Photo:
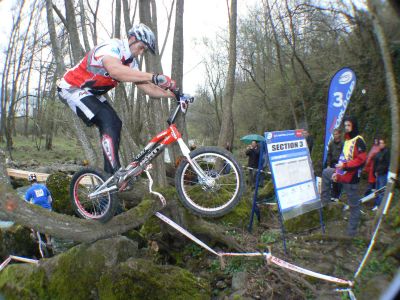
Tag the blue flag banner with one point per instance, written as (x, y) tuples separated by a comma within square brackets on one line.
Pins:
[(292, 173), (340, 90)]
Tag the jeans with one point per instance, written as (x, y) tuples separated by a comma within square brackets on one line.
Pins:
[(381, 181), (252, 177), (353, 200)]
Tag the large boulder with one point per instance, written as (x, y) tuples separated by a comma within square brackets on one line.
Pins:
[(108, 269), (58, 185), (16, 240)]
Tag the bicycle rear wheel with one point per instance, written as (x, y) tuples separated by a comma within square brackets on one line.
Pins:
[(218, 191), (102, 207)]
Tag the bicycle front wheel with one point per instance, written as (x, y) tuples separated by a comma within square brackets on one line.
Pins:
[(101, 207), (216, 189)]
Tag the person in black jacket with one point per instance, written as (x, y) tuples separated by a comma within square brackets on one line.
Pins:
[(309, 140), (381, 169), (334, 150), (253, 152)]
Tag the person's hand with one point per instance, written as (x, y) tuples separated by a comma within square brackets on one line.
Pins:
[(164, 82), (334, 177), (339, 166)]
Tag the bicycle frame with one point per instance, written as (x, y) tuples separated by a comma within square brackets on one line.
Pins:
[(156, 146)]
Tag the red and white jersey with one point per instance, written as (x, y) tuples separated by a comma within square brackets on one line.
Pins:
[(90, 73)]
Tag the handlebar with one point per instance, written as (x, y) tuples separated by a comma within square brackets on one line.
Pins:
[(182, 101), (181, 97)]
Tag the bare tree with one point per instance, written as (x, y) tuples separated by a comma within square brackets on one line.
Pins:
[(77, 52), (227, 126), (155, 107), (177, 70)]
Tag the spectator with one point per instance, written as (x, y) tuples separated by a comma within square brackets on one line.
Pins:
[(309, 140), (369, 166), (381, 169), (38, 194), (334, 150), (347, 172), (227, 167), (253, 152)]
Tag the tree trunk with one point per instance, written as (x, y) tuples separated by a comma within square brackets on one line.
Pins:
[(393, 100), (77, 53), (12, 208), (286, 89), (83, 26), (227, 128), (177, 72), (72, 27), (153, 63), (117, 29)]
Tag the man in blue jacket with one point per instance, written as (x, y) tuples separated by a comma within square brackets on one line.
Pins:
[(38, 193)]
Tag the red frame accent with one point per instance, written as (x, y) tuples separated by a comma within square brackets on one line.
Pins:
[(167, 136)]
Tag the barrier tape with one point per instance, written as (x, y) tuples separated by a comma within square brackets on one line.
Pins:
[(270, 258), (5, 263), (295, 268), (17, 258), (185, 232), (279, 262), (349, 291)]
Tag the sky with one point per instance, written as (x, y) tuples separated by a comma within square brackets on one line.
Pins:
[(201, 19)]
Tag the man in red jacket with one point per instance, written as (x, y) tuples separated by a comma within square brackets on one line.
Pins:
[(347, 172)]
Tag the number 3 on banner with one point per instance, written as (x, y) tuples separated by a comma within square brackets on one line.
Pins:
[(338, 99)]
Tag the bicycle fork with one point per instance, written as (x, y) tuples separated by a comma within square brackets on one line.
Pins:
[(208, 181)]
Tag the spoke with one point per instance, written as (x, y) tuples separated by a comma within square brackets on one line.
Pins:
[(225, 165)]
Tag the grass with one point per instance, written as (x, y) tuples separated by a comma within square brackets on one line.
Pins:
[(64, 149)]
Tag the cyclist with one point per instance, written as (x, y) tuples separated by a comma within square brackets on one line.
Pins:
[(82, 87), (38, 194)]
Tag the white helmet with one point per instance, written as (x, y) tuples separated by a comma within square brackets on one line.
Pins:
[(32, 177), (145, 35)]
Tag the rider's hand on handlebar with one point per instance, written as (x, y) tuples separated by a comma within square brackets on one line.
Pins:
[(164, 82)]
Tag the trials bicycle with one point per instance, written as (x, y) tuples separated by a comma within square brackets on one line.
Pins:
[(209, 180)]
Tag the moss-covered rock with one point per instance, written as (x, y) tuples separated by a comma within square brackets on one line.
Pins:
[(16, 240), (267, 190), (23, 281), (141, 279), (312, 219), (58, 185), (19, 182), (106, 269), (240, 215)]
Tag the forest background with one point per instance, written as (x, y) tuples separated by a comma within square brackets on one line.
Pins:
[(287, 52), (268, 68)]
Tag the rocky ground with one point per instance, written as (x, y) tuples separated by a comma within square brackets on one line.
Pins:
[(156, 262)]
